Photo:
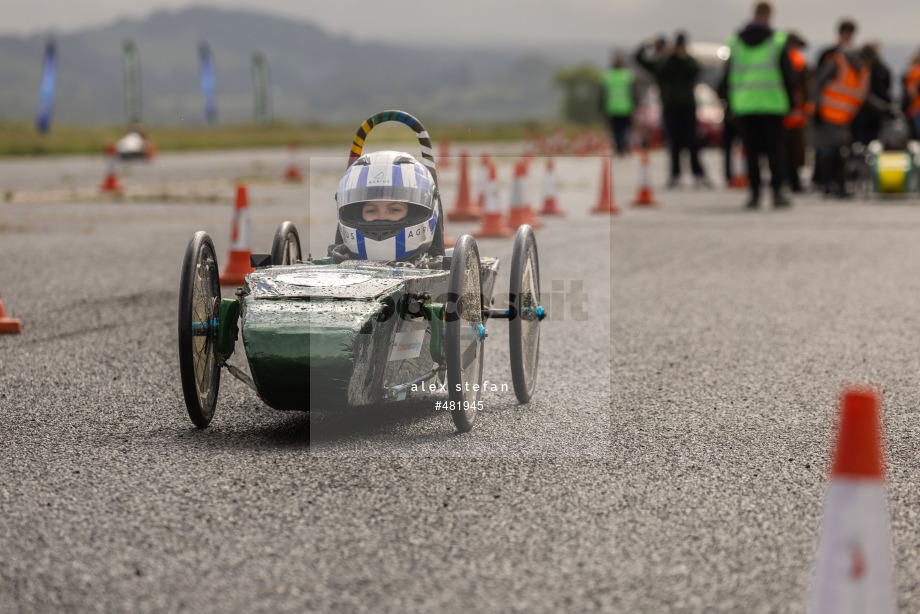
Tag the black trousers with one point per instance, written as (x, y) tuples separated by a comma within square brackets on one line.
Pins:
[(619, 128), (762, 135), (729, 134), (680, 123)]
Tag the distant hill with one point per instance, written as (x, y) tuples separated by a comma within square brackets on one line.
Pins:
[(316, 76)]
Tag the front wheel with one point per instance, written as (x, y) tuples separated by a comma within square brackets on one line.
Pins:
[(199, 311), (466, 334), (526, 314), (286, 245)]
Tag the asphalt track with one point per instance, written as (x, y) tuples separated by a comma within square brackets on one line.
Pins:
[(673, 458)]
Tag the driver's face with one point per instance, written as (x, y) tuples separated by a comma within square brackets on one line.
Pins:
[(384, 210)]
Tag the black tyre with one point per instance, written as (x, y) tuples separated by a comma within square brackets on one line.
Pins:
[(465, 337), (286, 245), (199, 309), (524, 326)]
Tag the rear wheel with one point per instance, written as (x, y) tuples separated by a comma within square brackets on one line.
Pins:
[(286, 245), (465, 337), (199, 310), (524, 326)]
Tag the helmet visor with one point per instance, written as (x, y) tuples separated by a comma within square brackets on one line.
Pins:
[(395, 193)]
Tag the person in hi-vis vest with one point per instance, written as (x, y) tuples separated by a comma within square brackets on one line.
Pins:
[(911, 82), (760, 82), (841, 89), (618, 89)]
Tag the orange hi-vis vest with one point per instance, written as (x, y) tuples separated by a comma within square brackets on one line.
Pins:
[(912, 89), (843, 95), (798, 114)]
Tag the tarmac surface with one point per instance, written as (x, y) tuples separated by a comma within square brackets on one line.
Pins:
[(673, 458)]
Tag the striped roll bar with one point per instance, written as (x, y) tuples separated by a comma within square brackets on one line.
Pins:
[(357, 147), (424, 141)]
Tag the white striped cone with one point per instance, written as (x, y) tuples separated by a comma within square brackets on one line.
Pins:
[(110, 182), (645, 197), (521, 212), (853, 567), (492, 224), (238, 263), (482, 182), (739, 177), (292, 172), (550, 193)]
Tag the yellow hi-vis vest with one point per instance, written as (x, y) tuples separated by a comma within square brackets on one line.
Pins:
[(755, 83), (618, 89)]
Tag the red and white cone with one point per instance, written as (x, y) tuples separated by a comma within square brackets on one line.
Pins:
[(853, 568), (605, 202), (292, 172), (739, 168), (644, 196), (8, 325), (521, 212), (493, 222), (238, 263), (550, 200), (110, 183), (444, 154), (463, 210), (482, 182)]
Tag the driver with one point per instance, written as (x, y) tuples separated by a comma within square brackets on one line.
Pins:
[(387, 209)]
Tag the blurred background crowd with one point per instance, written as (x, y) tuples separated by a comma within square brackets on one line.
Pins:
[(767, 90)]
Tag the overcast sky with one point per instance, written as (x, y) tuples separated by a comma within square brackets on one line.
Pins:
[(503, 22)]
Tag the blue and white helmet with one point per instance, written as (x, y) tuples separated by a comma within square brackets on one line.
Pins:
[(387, 176)]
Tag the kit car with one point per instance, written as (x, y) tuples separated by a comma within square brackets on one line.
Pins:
[(321, 335)]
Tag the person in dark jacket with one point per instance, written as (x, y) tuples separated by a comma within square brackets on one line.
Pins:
[(760, 97), (796, 121), (868, 122), (841, 89), (676, 73), (846, 31)]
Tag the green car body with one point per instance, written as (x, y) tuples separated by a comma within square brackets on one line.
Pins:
[(322, 335)]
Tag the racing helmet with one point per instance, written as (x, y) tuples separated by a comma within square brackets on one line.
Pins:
[(387, 176)]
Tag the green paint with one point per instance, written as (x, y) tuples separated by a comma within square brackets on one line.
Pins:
[(228, 327)]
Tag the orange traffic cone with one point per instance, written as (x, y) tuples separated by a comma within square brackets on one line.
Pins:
[(110, 184), (238, 264), (493, 224), (482, 182), (292, 173), (644, 197), (463, 211), (521, 212), (8, 325), (605, 202), (550, 204), (739, 168), (853, 572), (444, 155)]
